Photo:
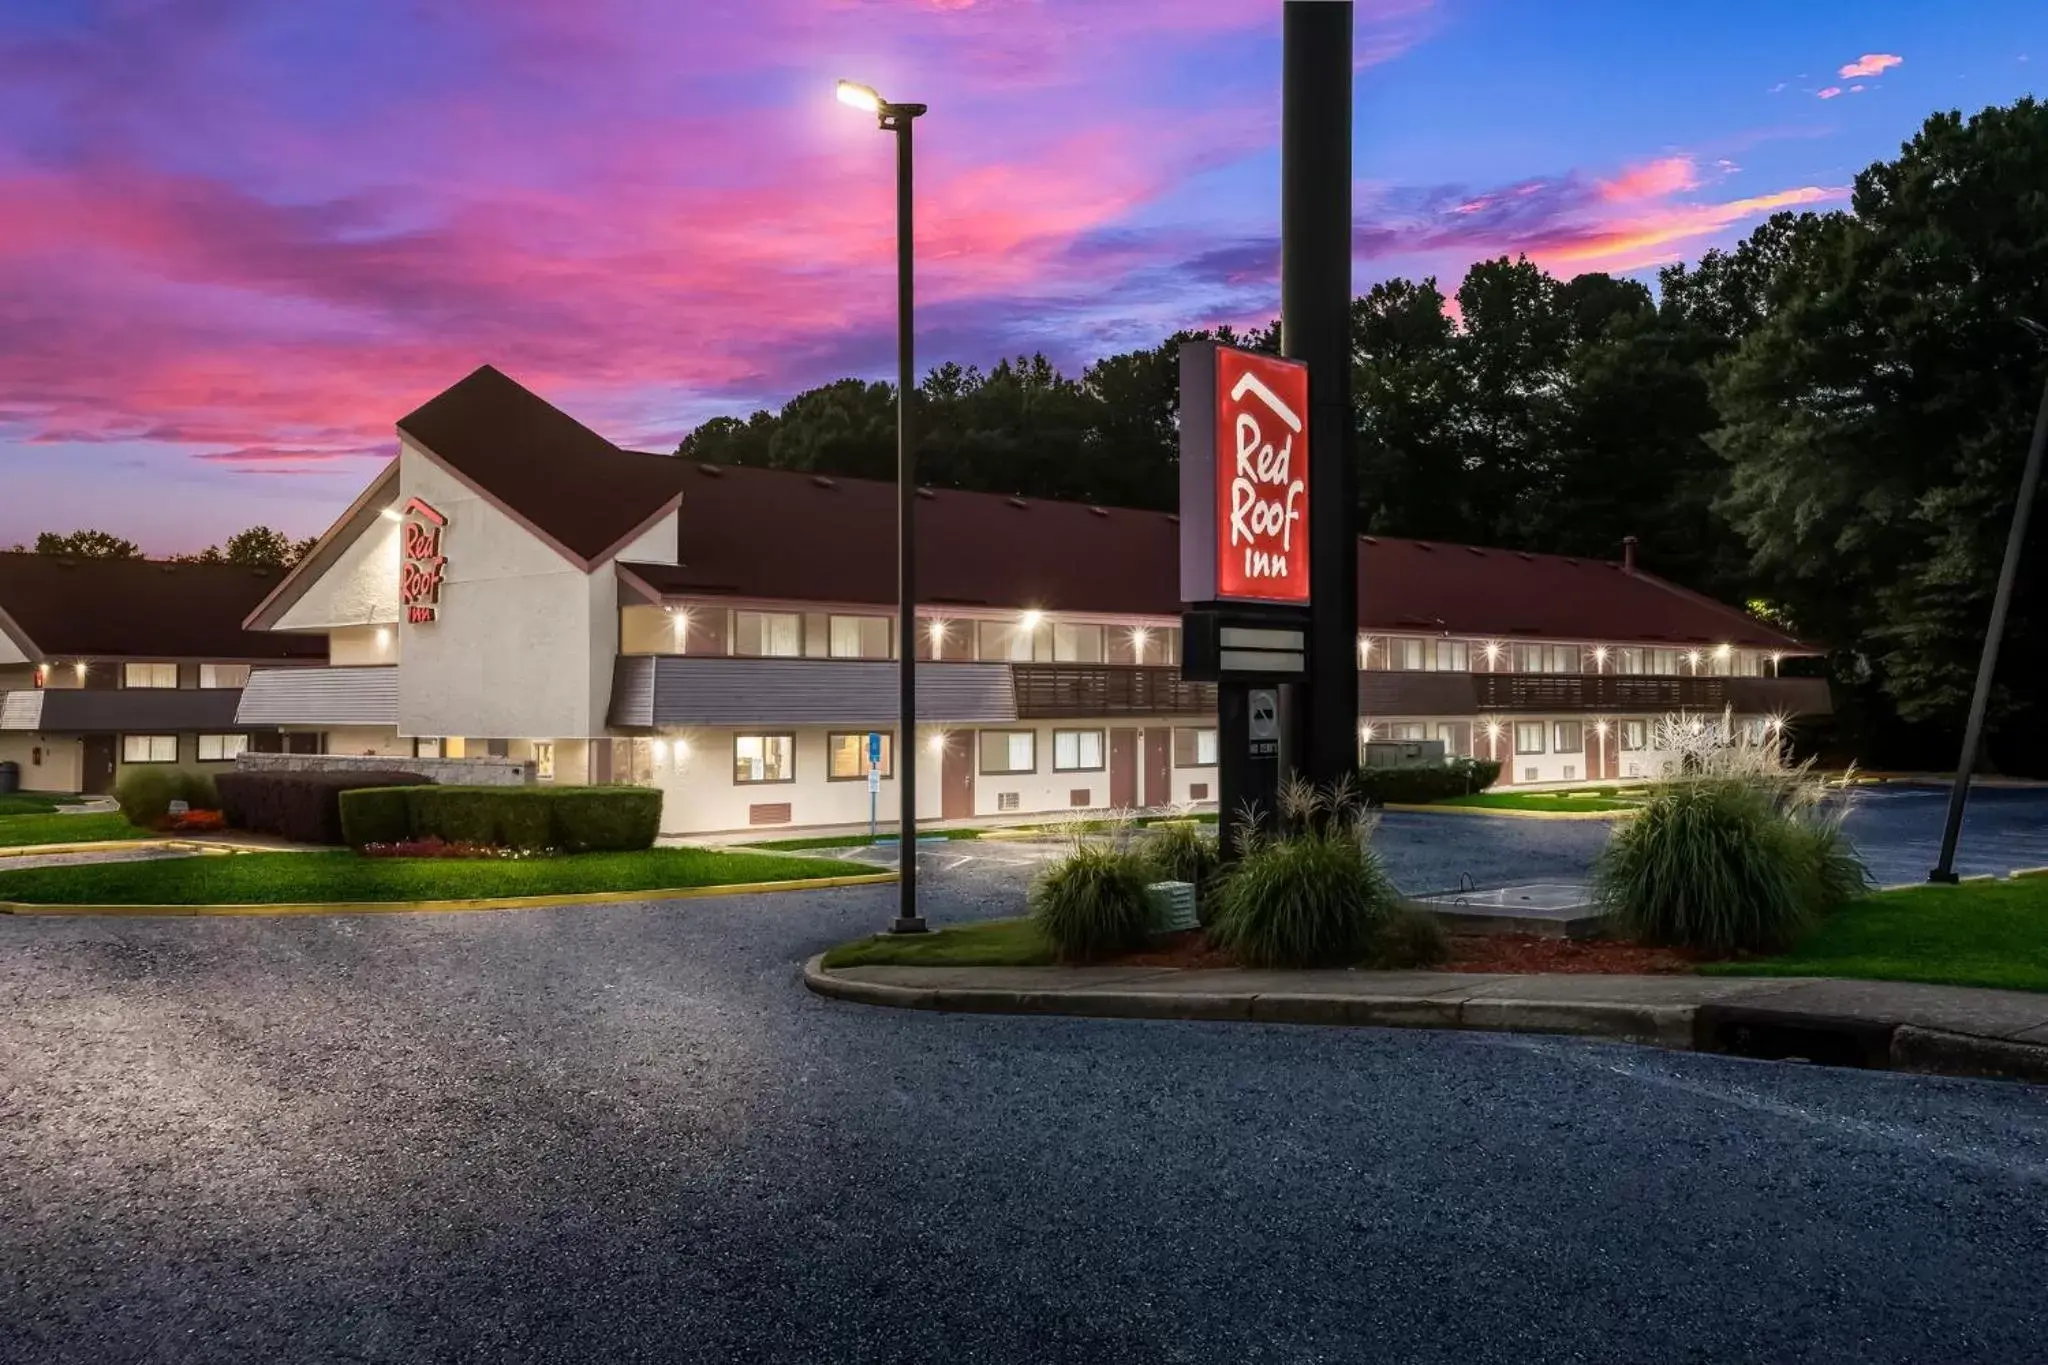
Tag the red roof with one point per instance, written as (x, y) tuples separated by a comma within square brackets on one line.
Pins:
[(777, 534), (781, 534)]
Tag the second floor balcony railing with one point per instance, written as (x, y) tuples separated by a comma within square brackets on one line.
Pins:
[(1427, 694), (1050, 691)]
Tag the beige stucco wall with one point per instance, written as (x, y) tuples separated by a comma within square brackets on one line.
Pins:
[(524, 642), (61, 759), (358, 645), (359, 588), (700, 795), (10, 652)]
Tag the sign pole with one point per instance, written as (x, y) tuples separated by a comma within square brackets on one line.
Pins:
[(1315, 327)]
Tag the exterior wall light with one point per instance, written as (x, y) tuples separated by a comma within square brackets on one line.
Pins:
[(392, 514), (1140, 637), (79, 668), (1031, 620), (937, 742), (1600, 656)]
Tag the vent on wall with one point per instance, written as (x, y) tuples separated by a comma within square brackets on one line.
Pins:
[(1077, 796), (1006, 801), (768, 813), (1529, 775), (1198, 791)]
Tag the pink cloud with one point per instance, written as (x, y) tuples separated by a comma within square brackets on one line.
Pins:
[(1652, 180), (1870, 64), (1828, 92)]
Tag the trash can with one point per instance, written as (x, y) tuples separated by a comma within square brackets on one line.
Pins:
[(10, 776)]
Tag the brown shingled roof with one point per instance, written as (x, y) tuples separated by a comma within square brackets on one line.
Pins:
[(761, 533), (142, 608), (558, 476)]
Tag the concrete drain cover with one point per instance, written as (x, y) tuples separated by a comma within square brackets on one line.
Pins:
[(1552, 909)]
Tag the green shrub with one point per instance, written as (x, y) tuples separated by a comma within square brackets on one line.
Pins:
[(145, 794), (376, 815), (1182, 853), (1091, 904), (606, 819), (1425, 782), (304, 807), (1314, 896), (572, 819), (1411, 937), (1727, 863), (197, 790)]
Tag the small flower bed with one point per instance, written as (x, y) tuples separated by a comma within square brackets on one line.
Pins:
[(435, 847), (195, 822)]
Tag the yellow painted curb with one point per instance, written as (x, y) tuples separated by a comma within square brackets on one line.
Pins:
[(1514, 814), (89, 846), (2028, 872), (435, 907)]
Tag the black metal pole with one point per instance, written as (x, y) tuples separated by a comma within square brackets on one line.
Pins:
[(1315, 326), (908, 921), (1987, 663)]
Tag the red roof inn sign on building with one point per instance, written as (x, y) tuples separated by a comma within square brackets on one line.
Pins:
[(1244, 477), (421, 563)]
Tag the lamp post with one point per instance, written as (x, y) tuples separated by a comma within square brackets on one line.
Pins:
[(1944, 870), (897, 119)]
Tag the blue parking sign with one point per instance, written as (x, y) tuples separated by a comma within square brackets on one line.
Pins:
[(874, 748)]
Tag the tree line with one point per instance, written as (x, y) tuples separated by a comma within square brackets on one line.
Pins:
[(259, 547), (1826, 422)]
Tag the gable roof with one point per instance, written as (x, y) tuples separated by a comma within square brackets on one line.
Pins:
[(140, 608), (577, 490), (760, 533)]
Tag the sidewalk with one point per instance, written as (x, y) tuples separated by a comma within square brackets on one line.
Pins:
[(1939, 1030)]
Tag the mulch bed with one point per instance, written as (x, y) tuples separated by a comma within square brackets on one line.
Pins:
[(1511, 954)]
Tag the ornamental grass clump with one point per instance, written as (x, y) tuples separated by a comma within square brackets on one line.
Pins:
[(1739, 852), (1091, 904), (1314, 895), (1182, 852)]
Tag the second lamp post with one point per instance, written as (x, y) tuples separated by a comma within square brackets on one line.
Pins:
[(897, 119)]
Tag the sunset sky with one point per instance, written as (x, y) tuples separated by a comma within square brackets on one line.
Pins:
[(239, 238)]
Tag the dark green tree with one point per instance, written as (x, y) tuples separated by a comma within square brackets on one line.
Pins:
[(86, 544)]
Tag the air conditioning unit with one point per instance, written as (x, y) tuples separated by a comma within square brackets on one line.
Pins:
[(1008, 801), (1571, 772), (1531, 775)]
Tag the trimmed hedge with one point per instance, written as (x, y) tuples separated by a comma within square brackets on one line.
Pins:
[(145, 794), (1426, 782), (303, 807), (573, 819)]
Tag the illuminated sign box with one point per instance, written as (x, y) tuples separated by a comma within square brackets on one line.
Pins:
[(1244, 491)]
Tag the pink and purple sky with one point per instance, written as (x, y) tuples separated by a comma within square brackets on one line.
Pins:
[(239, 238)]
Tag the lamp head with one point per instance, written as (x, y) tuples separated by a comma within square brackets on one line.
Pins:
[(859, 96)]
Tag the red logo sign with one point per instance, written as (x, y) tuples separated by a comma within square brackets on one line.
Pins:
[(1261, 456), (421, 564)]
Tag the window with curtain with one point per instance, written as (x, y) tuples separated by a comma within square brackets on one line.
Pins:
[(857, 637), (1009, 751), (1075, 751), (1009, 641), (223, 675), (1529, 737), (1568, 737), (149, 675), (846, 754), (1194, 746), (1450, 656), (1076, 644), (1407, 730), (221, 748), (768, 634), (1635, 734), (149, 748)]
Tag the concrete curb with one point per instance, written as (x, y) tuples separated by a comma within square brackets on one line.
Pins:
[(1753, 1025), (88, 846), (27, 908), (1504, 813)]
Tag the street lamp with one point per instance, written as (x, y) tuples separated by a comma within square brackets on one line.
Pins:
[(897, 118), (1944, 869)]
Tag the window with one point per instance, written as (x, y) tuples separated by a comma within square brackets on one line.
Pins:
[(1568, 737), (1009, 640), (1664, 663), (857, 637), (1076, 644), (1142, 645), (1451, 656), (1635, 734), (221, 748), (1407, 730), (846, 755), (1628, 659), (1009, 751), (1529, 737), (1749, 663), (1077, 751), (1405, 653), (1456, 736), (1561, 659), (223, 675), (426, 746), (149, 748), (1194, 747), (763, 758), (544, 760), (768, 634), (149, 675)]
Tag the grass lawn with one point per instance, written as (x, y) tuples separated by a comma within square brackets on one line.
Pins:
[(1976, 934), (34, 803), (858, 840), (18, 831), (1596, 800), (993, 943), (281, 878)]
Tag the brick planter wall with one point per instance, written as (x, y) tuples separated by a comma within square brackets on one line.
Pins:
[(464, 772)]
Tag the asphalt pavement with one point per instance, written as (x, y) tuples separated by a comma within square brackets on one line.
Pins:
[(626, 1133)]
